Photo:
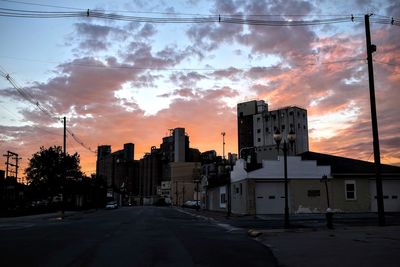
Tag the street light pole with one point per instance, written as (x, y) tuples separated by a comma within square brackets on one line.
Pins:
[(291, 138), (286, 184)]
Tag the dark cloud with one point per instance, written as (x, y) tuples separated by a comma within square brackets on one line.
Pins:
[(186, 79), (230, 73), (147, 31), (94, 37)]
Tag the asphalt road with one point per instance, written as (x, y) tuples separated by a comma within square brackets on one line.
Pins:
[(139, 236)]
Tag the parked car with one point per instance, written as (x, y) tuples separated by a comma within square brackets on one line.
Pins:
[(191, 204), (111, 205)]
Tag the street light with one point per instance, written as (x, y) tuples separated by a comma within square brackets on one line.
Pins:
[(291, 137)]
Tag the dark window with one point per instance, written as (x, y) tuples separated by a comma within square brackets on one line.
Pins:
[(258, 139), (283, 127), (313, 193), (298, 125), (385, 197), (241, 189), (258, 119), (291, 113), (271, 197), (350, 188), (258, 130), (304, 127), (223, 198), (240, 114), (267, 130), (394, 197), (237, 190), (298, 114)]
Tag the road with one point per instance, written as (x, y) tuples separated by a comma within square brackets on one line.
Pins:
[(139, 236)]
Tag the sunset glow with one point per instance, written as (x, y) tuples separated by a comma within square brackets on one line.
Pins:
[(119, 82)]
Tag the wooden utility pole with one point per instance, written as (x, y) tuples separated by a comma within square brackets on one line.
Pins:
[(377, 157)]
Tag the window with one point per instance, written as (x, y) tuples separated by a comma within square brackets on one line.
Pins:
[(283, 127), (267, 130), (313, 193), (241, 189), (223, 198), (271, 197), (237, 190), (350, 190), (258, 130), (258, 119), (298, 125), (258, 139), (291, 113)]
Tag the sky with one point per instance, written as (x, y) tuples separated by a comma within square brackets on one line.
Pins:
[(127, 81)]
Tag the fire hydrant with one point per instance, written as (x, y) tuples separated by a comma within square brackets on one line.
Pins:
[(329, 218)]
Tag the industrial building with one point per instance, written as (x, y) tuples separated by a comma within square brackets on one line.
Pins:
[(257, 125)]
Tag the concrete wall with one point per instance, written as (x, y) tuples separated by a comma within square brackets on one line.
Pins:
[(214, 199), (239, 197), (361, 204), (304, 198)]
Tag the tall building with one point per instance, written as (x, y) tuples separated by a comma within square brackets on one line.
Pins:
[(167, 165), (119, 170), (257, 125)]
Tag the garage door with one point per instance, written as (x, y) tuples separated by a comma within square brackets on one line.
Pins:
[(391, 195), (270, 198)]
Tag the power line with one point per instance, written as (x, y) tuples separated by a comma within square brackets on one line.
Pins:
[(345, 60), (42, 108), (42, 5)]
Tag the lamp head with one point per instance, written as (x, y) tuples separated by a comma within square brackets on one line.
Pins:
[(277, 137)]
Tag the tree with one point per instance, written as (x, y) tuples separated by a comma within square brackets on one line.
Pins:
[(48, 167)]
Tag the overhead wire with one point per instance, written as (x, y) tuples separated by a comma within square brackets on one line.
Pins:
[(41, 107)]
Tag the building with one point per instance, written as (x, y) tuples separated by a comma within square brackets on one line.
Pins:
[(119, 170), (350, 185), (170, 170), (257, 125), (357, 179)]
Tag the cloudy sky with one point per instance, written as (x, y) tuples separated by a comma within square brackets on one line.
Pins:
[(129, 81)]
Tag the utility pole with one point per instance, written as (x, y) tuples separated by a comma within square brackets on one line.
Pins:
[(10, 166), (64, 176), (65, 136), (377, 158), (223, 145), (176, 193)]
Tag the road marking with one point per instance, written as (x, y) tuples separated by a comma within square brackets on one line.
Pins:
[(15, 226)]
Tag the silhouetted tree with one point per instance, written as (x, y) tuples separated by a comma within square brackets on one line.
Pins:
[(47, 168)]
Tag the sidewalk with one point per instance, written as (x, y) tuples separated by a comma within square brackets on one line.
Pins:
[(355, 241), (353, 246)]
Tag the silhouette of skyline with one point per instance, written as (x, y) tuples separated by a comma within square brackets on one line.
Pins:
[(119, 82)]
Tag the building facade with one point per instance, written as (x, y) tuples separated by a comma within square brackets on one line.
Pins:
[(315, 182), (257, 125), (119, 171), (164, 167)]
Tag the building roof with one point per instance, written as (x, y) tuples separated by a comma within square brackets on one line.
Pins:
[(342, 165)]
